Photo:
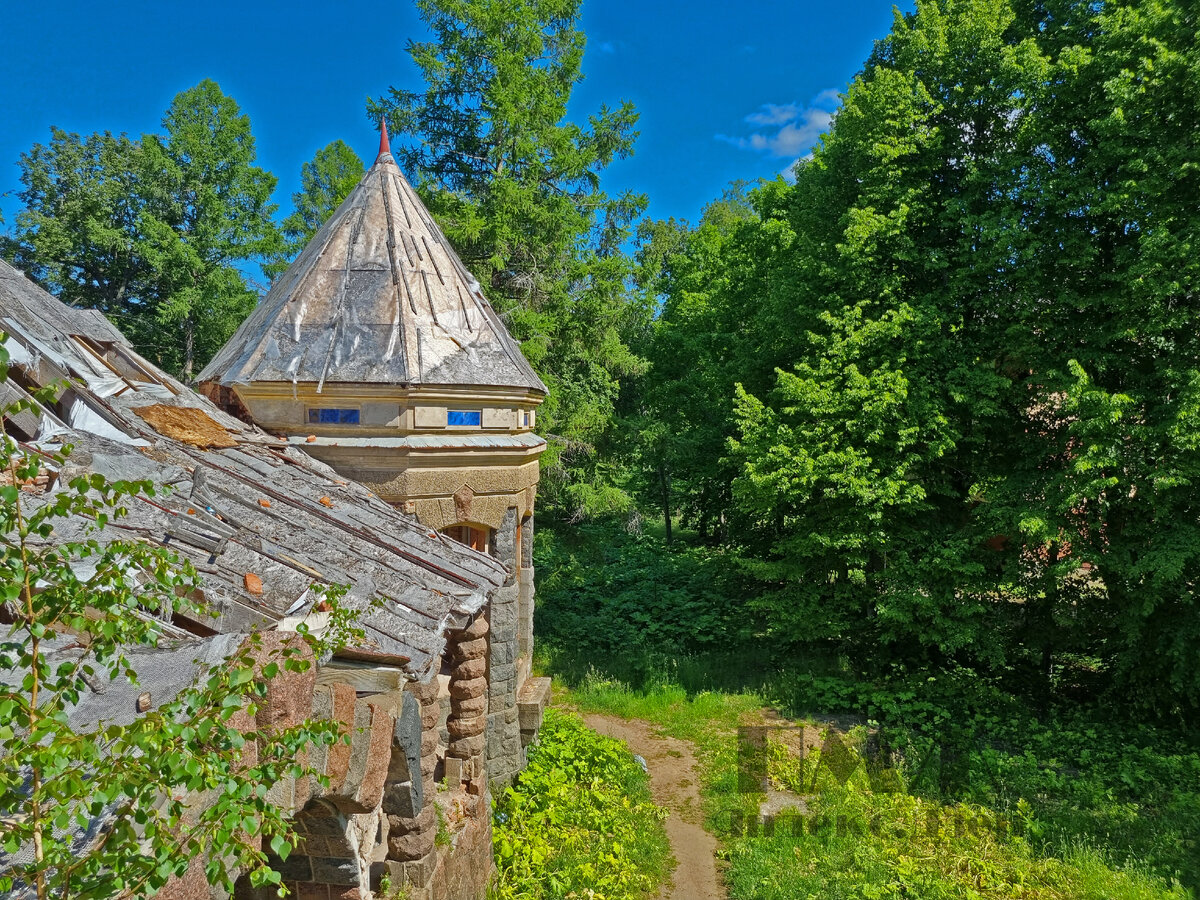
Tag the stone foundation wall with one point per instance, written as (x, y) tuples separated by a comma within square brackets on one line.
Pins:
[(409, 796)]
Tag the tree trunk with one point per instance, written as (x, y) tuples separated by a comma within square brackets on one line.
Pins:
[(189, 348)]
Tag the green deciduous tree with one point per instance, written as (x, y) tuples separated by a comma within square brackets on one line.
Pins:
[(212, 214), (157, 233), (710, 285), (857, 473), (79, 232), (516, 187), (1110, 234), (966, 351)]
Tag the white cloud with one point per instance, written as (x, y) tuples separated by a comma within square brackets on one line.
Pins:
[(773, 114), (788, 130), (830, 98), (788, 172)]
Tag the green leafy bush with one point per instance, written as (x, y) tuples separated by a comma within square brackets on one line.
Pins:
[(579, 822), (624, 600)]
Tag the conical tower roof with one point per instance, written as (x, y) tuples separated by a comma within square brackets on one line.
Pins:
[(377, 297)]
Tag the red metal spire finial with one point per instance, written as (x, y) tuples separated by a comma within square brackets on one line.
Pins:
[(384, 145)]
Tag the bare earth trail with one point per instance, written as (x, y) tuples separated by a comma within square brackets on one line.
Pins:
[(674, 782)]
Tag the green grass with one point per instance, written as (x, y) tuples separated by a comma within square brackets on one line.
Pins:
[(680, 535), (885, 847)]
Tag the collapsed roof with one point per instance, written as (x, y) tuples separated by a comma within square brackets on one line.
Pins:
[(260, 520), (377, 297)]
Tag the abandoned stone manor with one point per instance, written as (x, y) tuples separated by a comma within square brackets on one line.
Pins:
[(371, 425)]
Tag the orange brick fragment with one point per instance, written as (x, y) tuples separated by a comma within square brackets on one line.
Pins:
[(311, 438), (325, 501), (253, 583), (265, 504)]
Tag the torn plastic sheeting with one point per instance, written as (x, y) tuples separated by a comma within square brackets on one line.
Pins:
[(82, 417), (49, 432), (18, 354), (300, 601), (100, 381), (12, 326), (103, 383)]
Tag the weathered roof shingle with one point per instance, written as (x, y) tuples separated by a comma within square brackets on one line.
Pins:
[(377, 297), (234, 500)]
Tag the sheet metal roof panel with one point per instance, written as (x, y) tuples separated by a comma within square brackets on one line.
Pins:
[(377, 297)]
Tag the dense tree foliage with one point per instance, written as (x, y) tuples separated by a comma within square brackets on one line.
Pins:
[(155, 232), (951, 373), (516, 187)]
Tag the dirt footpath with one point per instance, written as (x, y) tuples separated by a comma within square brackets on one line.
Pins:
[(674, 783)]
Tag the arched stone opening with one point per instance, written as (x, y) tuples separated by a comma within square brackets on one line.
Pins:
[(476, 536)]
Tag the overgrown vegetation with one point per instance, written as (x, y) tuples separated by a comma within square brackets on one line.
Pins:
[(625, 600), (903, 837), (1098, 805), (579, 822), (939, 394)]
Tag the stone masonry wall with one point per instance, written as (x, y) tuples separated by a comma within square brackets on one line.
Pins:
[(525, 604), (504, 753)]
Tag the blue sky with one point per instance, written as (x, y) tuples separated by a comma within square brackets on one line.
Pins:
[(725, 91)]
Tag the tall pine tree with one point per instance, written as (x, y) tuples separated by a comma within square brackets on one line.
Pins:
[(516, 187)]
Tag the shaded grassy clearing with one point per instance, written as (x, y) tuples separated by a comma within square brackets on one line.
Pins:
[(856, 841)]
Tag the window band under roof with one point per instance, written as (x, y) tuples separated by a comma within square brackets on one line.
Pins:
[(333, 417)]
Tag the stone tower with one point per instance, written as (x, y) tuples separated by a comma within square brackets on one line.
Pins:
[(378, 353)]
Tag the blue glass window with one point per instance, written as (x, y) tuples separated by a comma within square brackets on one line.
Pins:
[(333, 416), (464, 417)]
